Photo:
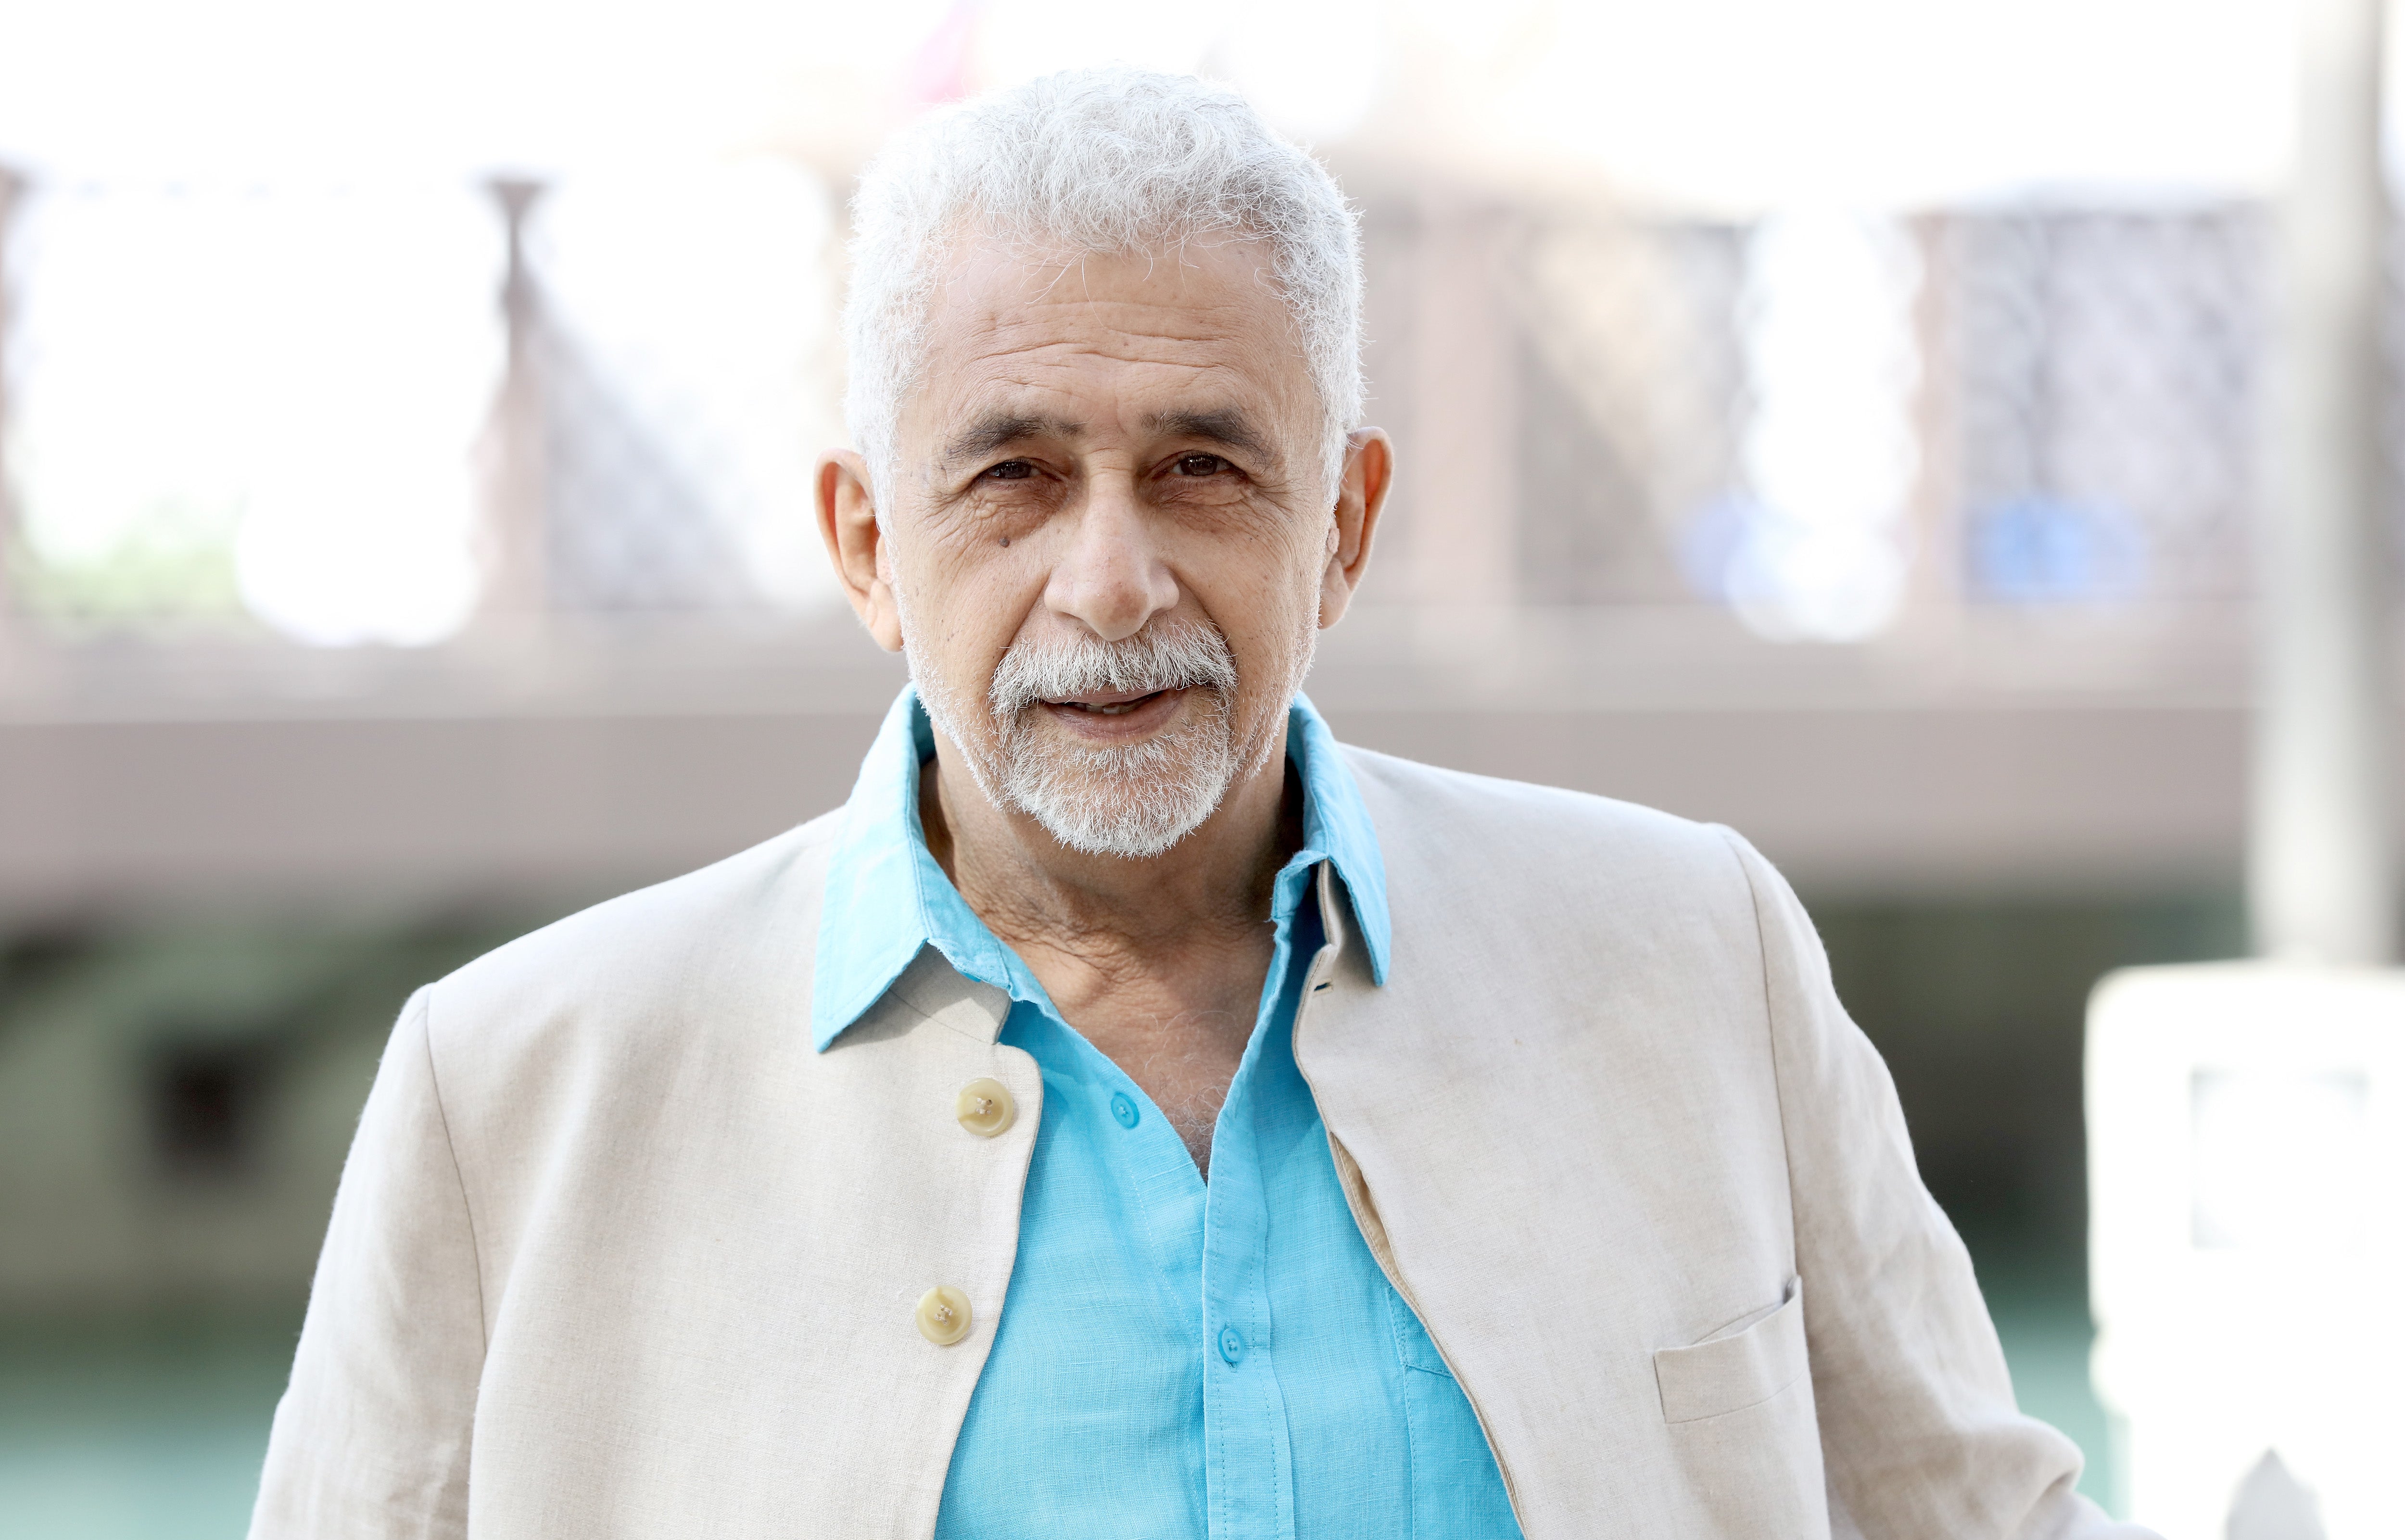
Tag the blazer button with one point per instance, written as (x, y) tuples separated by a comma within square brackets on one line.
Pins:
[(984, 1107), (943, 1315)]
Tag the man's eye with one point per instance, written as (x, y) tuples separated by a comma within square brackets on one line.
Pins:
[(1010, 470), (1201, 465)]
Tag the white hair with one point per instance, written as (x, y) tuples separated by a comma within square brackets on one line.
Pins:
[(1109, 160)]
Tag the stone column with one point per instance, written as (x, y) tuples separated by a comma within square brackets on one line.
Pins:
[(1462, 468), (514, 534), (2321, 869)]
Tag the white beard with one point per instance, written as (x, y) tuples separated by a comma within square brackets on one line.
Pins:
[(1137, 801)]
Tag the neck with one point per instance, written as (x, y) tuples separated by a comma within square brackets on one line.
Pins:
[(1158, 962), (1211, 887)]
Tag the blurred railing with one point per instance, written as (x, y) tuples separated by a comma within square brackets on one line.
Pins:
[(1963, 435), (1814, 415)]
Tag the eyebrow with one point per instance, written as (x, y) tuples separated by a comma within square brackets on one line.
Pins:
[(997, 428), (1227, 425)]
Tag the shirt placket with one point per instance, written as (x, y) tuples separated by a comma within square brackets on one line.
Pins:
[(1248, 1462)]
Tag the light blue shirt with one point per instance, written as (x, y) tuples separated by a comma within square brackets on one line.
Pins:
[(1173, 1359)]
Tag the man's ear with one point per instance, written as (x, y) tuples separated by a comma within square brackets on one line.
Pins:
[(1360, 498), (855, 543)]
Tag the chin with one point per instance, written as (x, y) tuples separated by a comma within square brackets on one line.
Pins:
[(1135, 800)]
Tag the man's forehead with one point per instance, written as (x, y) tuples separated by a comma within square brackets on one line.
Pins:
[(1003, 327), (1025, 345), (1191, 307)]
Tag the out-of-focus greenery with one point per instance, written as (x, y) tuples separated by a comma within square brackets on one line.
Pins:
[(172, 568)]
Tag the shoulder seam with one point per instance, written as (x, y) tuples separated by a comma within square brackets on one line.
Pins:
[(467, 1208), (1738, 850)]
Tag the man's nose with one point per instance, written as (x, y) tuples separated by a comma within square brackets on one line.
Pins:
[(1111, 578)]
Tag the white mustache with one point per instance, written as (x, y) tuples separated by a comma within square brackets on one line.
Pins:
[(1188, 655)]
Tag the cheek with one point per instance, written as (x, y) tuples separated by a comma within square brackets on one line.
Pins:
[(970, 601), (1267, 608)]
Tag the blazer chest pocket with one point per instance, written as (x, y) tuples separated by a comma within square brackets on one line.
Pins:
[(1744, 1366), (1742, 1431)]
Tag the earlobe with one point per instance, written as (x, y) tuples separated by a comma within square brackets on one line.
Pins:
[(1360, 497), (1333, 591)]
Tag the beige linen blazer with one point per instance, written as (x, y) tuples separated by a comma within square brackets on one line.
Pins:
[(618, 1254)]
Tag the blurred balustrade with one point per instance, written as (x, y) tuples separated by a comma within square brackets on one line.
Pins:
[(1915, 545), (1598, 410)]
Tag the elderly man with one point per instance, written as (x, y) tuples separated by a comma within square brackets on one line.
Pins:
[(1133, 1114)]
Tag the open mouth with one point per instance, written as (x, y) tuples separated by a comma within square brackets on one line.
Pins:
[(1115, 715), (1109, 705)]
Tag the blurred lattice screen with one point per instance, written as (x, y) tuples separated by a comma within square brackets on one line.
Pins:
[(2094, 378), (1819, 419), (589, 508)]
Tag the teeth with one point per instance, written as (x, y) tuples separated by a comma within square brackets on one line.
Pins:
[(1118, 708)]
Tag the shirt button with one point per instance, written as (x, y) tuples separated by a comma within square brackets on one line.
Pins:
[(943, 1315), (984, 1107), (1231, 1345), (1124, 1110)]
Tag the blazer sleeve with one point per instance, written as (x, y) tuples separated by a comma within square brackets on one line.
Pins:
[(1920, 1434), (371, 1441)]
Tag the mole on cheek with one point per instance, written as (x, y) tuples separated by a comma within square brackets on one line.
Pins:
[(1005, 540)]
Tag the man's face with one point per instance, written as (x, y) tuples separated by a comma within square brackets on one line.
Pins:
[(1110, 536)]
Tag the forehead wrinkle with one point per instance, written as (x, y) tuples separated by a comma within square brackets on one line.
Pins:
[(1051, 368), (1160, 351), (1124, 321)]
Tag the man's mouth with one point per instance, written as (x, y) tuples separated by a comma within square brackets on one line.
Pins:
[(1109, 704)]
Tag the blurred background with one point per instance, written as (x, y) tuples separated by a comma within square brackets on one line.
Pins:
[(1834, 419)]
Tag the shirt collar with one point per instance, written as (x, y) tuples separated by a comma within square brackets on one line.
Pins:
[(886, 897)]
